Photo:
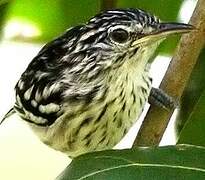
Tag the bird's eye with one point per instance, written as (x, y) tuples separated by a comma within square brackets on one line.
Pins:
[(119, 35)]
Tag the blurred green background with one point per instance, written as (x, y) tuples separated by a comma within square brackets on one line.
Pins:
[(39, 21), (47, 19)]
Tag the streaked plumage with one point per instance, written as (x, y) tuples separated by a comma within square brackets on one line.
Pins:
[(85, 89)]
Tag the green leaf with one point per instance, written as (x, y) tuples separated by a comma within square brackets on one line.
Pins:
[(170, 162), (194, 129), (52, 18), (192, 93)]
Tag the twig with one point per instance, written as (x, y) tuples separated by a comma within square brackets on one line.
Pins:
[(108, 4), (175, 79)]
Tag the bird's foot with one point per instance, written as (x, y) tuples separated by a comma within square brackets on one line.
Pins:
[(160, 98)]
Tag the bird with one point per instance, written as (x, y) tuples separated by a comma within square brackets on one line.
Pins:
[(85, 89)]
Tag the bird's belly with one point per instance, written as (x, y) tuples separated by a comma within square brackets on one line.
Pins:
[(101, 127)]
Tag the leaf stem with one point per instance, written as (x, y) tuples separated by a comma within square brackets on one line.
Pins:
[(108, 4)]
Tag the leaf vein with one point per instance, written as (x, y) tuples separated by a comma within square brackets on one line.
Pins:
[(142, 165)]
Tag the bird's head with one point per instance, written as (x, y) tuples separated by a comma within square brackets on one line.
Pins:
[(116, 36)]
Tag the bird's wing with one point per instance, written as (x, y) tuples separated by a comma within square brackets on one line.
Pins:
[(39, 92)]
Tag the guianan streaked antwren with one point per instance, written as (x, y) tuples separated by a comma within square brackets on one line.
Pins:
[(85, 89)]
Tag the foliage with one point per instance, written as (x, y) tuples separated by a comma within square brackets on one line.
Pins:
[(172, 162), (54, 17), (193, 131), (192, 93), (51, 17)]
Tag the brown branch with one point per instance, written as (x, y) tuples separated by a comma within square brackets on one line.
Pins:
[(108, 4), (175, 79)]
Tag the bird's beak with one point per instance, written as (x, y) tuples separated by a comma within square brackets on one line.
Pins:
[(163, 30)]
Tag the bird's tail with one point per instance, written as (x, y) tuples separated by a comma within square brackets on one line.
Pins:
[(8, 114)]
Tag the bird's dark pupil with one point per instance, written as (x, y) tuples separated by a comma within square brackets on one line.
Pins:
[(119, 35)]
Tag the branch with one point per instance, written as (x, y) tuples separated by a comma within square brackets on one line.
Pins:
[(108, 4), (175, 79)]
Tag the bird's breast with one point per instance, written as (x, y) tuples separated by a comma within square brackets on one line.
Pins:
[(102, 123)]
